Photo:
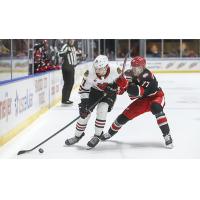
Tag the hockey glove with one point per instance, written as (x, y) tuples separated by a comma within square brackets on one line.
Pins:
[(111, 89), (121, 91), (121, 82), (83, 109), (134, 90)]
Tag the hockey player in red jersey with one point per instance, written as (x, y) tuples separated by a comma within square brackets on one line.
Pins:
[(147, 97)]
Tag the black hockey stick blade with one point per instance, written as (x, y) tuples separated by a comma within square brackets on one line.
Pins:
[(26, 151), (22, 152)]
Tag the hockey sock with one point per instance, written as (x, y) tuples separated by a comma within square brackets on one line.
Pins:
[(99, 126), (117, 124), (81, 126), (157, 110), (162, 123)]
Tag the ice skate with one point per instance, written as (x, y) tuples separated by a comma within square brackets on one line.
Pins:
[(73, 140), (93, 141), (105, 136), (168, 141)]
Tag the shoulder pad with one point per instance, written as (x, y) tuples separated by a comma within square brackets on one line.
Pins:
[(145, 75), (119, 71), (86, 73)]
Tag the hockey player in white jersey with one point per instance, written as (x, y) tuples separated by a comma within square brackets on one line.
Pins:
[(100, 80)]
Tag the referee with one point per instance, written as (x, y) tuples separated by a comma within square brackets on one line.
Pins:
[(69, 55)]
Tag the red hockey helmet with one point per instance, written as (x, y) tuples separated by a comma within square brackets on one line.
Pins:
[(138, 64), (138, 61)]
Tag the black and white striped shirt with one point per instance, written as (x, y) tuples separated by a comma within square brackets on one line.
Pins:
[(69, 53)]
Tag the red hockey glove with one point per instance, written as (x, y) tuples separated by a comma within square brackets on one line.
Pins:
[(121, 82), (121, 91)]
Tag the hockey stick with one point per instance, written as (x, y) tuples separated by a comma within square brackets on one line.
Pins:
[(29, 150), (124, 64)]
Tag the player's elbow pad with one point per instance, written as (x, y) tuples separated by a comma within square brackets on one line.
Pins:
[(135, 90)]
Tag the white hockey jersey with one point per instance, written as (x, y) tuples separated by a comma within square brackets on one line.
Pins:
[(91, 79)]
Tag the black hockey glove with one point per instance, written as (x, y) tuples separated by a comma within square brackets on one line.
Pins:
[(83, 109), (111, 89)]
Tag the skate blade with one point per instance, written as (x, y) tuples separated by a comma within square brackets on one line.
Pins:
[(66, 105), (89, 148), (170, 146)]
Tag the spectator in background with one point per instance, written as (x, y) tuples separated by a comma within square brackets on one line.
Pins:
[(134, 49), (121, 53), (41, 56), (20, 47), (184, 49), (187, 51), (192, 53), (133, 52), (171, 53), (3, 50), (44, 56), (56, 46), (112, 55), (153, 51)]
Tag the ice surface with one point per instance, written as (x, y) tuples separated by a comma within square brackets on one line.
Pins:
[(140, 138)]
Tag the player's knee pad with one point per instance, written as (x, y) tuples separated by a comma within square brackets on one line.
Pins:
[(122, 119), (102, 106), (102, 110), (156, 108)]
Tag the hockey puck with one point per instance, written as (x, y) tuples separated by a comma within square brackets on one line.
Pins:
[(41, 150)]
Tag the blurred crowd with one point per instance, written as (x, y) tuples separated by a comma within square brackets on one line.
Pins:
[(19, 48), (172, 48), (4, 48), (44, 58), (46, 54)]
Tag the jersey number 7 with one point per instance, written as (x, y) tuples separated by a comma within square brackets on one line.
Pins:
[(145, 84)]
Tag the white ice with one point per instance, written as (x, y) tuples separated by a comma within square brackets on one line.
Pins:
[(140, 138)]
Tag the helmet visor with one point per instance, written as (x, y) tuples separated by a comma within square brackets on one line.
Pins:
[(137, 70)]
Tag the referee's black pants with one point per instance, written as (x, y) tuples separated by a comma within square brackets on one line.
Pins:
[(68, 77)]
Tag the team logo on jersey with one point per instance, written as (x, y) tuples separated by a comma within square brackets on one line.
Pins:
[(86, 73), (102, 86), (145, 75), (119, 71)]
